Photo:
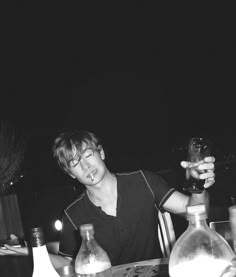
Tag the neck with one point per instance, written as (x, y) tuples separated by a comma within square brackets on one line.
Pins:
[(105, 191)]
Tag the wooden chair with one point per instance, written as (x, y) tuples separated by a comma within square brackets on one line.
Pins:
[(166, 233)]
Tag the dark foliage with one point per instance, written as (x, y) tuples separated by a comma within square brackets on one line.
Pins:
[(12, 148)]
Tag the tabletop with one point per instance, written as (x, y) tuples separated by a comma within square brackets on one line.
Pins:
[(149, 268), (22, 267)]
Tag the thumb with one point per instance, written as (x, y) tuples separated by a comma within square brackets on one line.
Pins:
[(184, 164)]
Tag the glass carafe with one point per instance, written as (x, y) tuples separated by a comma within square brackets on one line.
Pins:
[(199, 251)]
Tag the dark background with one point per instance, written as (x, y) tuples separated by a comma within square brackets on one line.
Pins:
[(143, 77)]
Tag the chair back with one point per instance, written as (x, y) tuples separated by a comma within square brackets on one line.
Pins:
[(166, 233)]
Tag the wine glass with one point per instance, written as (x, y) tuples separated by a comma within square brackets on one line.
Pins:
[(198, 149)]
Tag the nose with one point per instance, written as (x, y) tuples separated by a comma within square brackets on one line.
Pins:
[(84, 164)]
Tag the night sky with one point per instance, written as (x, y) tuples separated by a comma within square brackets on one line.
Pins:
[(142, 77)]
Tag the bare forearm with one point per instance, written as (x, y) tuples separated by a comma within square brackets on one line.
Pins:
[(177, 202), (59, 261)]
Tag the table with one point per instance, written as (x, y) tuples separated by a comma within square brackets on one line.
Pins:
[(20, 266), (16, 266), (149, 268)]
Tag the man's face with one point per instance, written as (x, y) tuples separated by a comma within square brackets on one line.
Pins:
[(88, 166)]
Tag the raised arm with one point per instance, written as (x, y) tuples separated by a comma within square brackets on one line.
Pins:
[(177, 202)]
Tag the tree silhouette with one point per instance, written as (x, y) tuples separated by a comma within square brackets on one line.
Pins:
[(12, 148)]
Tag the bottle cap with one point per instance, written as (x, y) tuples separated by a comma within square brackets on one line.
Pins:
[(86, 228), (37, 237), (196, 209)]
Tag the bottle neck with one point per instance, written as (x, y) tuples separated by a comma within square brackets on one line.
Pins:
[(200, 198), (87, 236), (196, 221), (37, 237)]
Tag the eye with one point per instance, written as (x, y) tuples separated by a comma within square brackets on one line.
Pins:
[(74, 163), (88, 153)]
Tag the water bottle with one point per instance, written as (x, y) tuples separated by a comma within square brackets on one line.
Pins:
[(200, 251), (91, 259)]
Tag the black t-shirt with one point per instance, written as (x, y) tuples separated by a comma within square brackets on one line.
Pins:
[(132, 234)]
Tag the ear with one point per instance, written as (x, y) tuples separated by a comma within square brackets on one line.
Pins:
[(102, 154)]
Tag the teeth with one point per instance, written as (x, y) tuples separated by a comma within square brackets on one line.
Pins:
[(91, 176)]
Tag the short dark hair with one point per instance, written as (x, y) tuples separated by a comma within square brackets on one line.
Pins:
[(65, 143)]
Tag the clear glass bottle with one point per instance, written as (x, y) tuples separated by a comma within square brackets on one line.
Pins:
[(230, 271), (199, 251), (232, 220), (91, 259), (42, 265)]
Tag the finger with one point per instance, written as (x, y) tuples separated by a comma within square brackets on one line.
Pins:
[(209, 159), (185, 164), (206, 166), (194, 173), (207, 175), (209, 182)]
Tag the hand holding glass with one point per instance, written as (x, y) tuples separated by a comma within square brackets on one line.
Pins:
[(198, 149)]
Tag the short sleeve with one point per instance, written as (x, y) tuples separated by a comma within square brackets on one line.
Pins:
[(70, 239), (160, 189)]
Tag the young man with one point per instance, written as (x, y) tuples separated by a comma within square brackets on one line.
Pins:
[(121, 206)]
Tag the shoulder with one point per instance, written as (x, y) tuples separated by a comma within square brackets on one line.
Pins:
[(76, 203), (127, 174), (144, 177), (130, 176), (152, 176), (140, 174), (136, 173)]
